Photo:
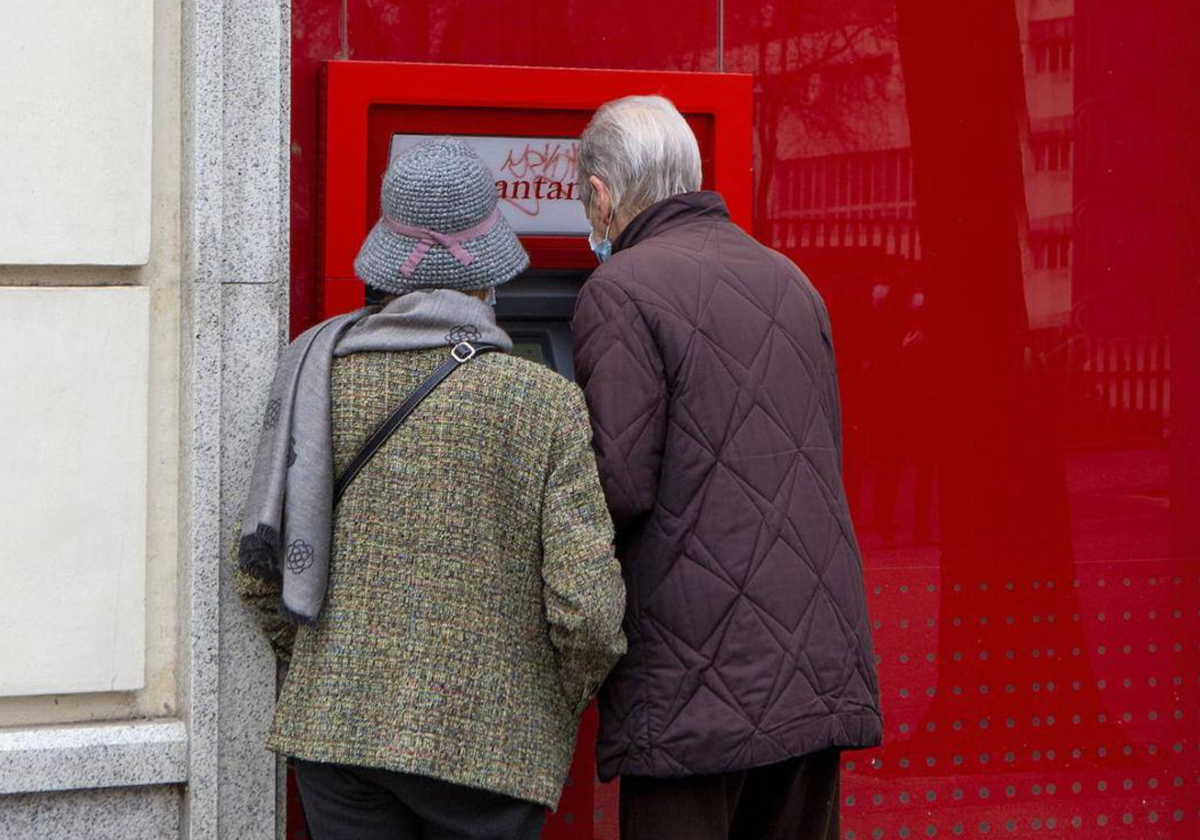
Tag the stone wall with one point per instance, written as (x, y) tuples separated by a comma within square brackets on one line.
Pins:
[(176, 750)]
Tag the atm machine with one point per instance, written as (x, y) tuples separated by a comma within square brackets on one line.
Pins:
[(525, 123), (535, 310)]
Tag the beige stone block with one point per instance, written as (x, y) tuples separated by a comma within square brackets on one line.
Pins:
[(74, 372)]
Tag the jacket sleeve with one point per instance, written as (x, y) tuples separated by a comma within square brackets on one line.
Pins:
[(583, 589), (262, 597), (620, 369)]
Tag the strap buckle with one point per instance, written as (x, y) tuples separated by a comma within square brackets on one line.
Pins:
[(463, 352)]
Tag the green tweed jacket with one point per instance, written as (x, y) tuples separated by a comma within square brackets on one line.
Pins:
[(474, 603)]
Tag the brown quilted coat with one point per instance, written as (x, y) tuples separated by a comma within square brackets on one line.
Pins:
[(708, 367)]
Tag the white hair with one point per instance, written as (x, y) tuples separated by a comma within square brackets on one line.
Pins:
[(643, 150)]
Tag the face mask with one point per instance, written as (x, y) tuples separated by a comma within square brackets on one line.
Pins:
[(603, 248)]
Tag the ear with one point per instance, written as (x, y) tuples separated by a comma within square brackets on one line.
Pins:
[(603, 200)]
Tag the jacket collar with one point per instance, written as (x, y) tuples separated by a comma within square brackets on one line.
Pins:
[(673, 212)]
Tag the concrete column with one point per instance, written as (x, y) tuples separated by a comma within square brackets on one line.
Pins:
[(236, 70)]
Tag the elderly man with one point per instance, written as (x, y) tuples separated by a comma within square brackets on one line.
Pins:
[(708, 367)]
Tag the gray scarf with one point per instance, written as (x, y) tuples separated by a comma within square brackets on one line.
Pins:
[(287, 525)]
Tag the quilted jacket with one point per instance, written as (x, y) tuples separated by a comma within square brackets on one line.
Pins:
[(708, 366), (474, 602)]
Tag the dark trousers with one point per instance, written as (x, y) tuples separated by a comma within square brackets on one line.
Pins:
[(794, 800), (361, 803)]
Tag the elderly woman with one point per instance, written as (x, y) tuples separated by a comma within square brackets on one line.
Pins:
[(708, 366), (426, 538)]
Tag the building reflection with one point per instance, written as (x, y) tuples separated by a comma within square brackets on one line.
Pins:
[(999, 203), (996, 201)]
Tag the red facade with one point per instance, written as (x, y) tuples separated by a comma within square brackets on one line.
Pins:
[(999, 201)]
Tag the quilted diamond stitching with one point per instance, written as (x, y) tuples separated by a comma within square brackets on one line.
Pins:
[(804, 483)]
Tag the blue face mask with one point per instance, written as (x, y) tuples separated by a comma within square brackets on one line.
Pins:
[(603, 248)]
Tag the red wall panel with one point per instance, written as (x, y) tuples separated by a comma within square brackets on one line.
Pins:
[(1017, 346), (619, 35), (999, 201)]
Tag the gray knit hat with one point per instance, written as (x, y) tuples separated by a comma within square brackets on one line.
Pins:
[(441, 227)]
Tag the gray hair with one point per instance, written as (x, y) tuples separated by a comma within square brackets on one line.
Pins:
[(643, 150)]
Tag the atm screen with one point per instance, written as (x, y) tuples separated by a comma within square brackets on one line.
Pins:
[(536, 310), (535, 348)]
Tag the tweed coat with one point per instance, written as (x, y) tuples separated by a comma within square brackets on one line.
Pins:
[(474, 603)]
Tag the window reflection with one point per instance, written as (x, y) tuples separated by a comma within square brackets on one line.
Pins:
[(998, 204)]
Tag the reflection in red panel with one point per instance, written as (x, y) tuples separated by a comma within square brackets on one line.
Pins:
[(623, 34), (999, 202), (316, 36), (619, 35)]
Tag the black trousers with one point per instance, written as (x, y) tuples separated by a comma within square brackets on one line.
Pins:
[(794, 800), (362, 803)]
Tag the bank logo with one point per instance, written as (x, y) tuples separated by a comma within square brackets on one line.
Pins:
[(535, 177)]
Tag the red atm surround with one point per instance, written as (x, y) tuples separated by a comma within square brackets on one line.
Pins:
[(367, 102)]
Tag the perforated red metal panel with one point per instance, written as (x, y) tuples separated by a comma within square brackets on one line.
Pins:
[(995, 201), (999, 202)]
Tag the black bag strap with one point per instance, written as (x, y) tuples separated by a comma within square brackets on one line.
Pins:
[(459, 356)]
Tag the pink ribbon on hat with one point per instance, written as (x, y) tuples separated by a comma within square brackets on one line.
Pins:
[(452, 242)]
